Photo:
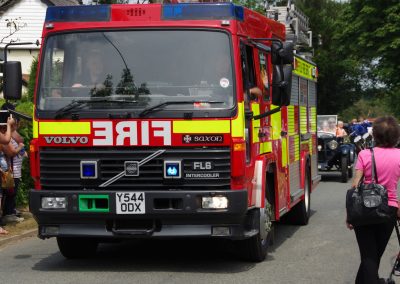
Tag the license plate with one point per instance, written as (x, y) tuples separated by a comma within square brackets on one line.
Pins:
[(130, 203)]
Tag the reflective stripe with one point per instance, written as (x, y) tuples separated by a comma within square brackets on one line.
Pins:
[(265, 147), (35, 125), (297, 148), (202, 126), (64, 128), (313, 119), (303, 120), (238, 122), (276, 124), (291, 120), (256, 123), (258, 183), (284, 152)]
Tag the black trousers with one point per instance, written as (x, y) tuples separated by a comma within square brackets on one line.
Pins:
[(10, 199), (372, 241)]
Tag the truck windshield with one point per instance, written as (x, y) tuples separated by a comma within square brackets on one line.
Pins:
[(150, 67)]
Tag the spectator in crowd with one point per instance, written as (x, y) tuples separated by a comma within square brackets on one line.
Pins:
[(340, 132), (325, 126), (15, 152), (6, 123), (332, 125), (372, 239)]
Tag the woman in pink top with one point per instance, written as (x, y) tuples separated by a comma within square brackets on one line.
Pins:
[(372, 239)]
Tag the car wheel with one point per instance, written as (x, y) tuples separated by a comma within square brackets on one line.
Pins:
[(344, 162), (350, 171), (77, 247)]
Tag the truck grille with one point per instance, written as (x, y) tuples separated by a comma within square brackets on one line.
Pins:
[(60, 168)]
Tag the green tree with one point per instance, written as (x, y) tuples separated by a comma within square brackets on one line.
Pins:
[(32, 79), (369, 32)]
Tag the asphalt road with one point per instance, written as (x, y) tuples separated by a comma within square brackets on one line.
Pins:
[(324, 251)]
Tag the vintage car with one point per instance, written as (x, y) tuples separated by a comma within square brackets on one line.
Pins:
[(336, 153)]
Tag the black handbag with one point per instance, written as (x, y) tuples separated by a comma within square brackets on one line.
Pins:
[(367, 204)]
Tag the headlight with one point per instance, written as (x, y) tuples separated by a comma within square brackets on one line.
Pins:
[(333, 145), (54, 202), (319, 147), (214, 202)]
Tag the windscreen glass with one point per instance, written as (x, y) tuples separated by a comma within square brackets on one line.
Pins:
[(144, 68)]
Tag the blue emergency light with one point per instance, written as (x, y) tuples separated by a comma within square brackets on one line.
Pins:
[(172, 169), (89, 13), (88, 169), (200, 11)]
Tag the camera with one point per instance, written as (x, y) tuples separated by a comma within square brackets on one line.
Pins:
[(4, 115)]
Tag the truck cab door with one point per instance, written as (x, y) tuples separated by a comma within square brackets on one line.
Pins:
[(251, 107)]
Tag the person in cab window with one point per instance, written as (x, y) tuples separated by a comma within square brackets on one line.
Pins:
[(93, 71)]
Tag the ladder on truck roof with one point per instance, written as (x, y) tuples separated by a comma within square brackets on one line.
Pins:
[(296, 22)]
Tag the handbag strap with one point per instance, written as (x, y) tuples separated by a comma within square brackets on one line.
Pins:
[(374, 173)]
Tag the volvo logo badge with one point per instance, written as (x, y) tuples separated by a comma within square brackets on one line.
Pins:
[(132, 168)]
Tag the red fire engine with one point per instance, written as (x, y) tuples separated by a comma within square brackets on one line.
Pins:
[(174, 120)]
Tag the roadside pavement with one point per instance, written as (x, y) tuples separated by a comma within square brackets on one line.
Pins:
[(17, 231)]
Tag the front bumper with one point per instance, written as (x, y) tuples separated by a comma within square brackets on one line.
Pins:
[(167, 214)]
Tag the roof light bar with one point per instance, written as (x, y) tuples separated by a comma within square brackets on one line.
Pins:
[(90, 13), (194, 11)]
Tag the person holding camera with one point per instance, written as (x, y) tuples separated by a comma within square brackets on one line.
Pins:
[(6, 124), (15, 152)]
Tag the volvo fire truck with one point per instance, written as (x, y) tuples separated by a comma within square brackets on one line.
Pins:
[(202, 124)]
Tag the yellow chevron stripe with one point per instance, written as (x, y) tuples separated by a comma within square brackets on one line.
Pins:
[(256, 123), (303, 119), (291, 120), (313, 119), (284, 152), (35, 125), (276, 123), (201, 126), (237, 124), (265, 147), (64, 128)]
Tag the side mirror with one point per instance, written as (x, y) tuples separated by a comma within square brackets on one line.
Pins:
[(277, 78), (12, 80), (286, 53), (287, 87), (282, 85), (282, 54)]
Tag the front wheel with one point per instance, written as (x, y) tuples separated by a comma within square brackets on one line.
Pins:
[(256, 248), (344, 164), (77, 247)]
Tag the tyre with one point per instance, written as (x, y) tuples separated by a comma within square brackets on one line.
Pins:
[(255, 249), (77, 247), (344, 163), (300, 214)]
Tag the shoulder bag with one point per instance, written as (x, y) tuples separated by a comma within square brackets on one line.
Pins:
[(367, 204), (7, 177)]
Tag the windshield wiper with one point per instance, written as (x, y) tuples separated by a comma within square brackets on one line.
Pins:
[(77, 104), (162, 105)]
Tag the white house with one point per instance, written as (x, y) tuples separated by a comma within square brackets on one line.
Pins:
[(22, 21)]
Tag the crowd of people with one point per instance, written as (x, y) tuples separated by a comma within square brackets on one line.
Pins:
[(340, 129), (12, 153)]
